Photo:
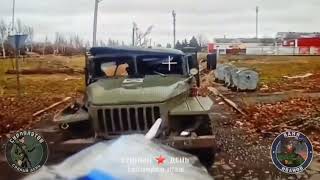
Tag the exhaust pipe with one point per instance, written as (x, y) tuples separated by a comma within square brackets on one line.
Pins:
[(64, 126)]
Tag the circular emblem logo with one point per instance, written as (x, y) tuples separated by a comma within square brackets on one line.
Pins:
[(26, 151), (291, 152)]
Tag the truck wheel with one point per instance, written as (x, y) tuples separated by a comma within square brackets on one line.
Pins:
[(205, 156)]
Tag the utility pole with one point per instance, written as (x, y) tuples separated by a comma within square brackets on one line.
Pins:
[(133, 33), (95, 19), (13, 9), (174, 28), (257, 21)]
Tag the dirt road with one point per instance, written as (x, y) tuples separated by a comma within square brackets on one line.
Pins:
[(242, 155)]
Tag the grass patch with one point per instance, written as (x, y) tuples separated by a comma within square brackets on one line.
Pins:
[(273, 68), (33, 85)]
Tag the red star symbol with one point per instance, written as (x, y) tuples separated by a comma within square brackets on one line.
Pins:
[(160, 160)]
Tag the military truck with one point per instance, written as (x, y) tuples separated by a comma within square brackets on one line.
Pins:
[(129, 88)]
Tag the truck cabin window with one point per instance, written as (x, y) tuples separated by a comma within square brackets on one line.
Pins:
[(160, 65), (114, 68)]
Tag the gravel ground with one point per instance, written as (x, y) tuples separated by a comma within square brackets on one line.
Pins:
[(243, 155)]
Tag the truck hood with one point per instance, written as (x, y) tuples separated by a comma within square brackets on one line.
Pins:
[(150, 89)]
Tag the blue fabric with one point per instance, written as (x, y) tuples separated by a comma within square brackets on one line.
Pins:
[(97, 175)]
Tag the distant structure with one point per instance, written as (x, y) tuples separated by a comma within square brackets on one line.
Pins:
[(226, 43), (239, 45), (295, 35), (306, 43)]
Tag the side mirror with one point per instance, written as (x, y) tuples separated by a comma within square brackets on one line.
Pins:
[(211, 61), (194, 71), (192, 61), (194, 67)]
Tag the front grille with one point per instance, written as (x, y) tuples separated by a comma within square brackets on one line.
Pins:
[(118, 120)]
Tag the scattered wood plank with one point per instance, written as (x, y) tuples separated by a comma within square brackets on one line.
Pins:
[(46, 71), (299, 76), (50, 107), (228, 101), (299, 123), (202, 67)]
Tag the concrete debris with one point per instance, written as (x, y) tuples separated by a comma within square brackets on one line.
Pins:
[(226, 167)]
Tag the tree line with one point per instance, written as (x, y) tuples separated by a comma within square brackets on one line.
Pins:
[(73, 44), (61, 45), (198, 42)]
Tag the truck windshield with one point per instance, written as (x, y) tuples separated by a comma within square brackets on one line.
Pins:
[(114, 67), (146, 65), (160, 65)]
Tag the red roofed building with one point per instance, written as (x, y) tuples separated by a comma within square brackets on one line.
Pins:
[(302, 42)]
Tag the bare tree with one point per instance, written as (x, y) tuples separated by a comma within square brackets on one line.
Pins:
[(71, 41), (202, 40), (46, 41), (141, 38), (102, 43), (87, 45), (78, 42), (3, 33), (60, 43), (20, 27), (112, 42), (30, 32)]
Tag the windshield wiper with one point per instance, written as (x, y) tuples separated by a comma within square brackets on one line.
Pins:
[(163, 75)]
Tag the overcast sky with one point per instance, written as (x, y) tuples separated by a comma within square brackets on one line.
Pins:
[(212, 18)]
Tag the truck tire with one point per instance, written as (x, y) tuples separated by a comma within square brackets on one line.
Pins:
[(206, 156)]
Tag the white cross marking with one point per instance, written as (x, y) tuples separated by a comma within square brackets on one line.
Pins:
[(169, 62)]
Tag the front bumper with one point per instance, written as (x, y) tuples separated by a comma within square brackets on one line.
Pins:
[(198, 142)]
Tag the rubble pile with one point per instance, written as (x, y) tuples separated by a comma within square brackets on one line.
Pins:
[(17, 113), (300, 114)]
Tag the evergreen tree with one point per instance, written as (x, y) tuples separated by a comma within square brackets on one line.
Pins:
[(194, 43), (184, 43), (178, 45)]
